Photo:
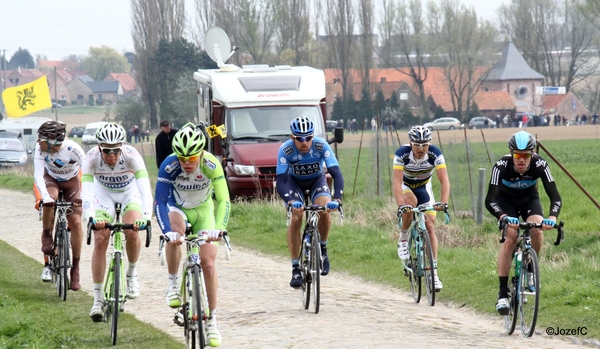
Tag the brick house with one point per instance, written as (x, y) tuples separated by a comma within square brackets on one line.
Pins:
[(84, 90)]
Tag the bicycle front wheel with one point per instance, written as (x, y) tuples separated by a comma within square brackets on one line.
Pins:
[(114, 300), (529, 291), (63, 258), (510, 320), (197, 306), (305, 265), (412, 270), (315, 269), (428, 267)]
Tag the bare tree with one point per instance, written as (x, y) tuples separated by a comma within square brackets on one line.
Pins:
[(292, 21), (388, 15), (554, 36), (255, 29), (466, 45), (365, 23), (591, 10), (339, 26), (153, 21)]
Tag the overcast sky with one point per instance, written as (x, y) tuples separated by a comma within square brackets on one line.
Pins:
[(58, 28)]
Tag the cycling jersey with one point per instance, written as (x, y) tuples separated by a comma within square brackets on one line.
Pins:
[(177, 188), (128, 176), (418, 172), (306, 167), (61, 166), (507, 184)]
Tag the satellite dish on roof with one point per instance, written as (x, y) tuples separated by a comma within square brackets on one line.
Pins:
[(218, 47)]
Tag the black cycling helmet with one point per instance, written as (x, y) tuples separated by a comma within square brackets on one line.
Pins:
[(522, 141), (419, 134), (52, 130)]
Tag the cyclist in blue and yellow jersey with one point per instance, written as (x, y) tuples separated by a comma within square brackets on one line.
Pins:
[(57, 163), (301, 164), (512, 192), (414, 165), (115, 173), (186, 181)]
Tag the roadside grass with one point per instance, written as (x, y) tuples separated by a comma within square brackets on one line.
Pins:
[(33, 316), (365, 245)]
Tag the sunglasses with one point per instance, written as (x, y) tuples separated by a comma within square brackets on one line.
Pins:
[(303, 139), (109, 151), (190, 158), (521, 156), (420, 145)]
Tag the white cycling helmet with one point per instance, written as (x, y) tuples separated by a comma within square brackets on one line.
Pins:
[(110, 133)]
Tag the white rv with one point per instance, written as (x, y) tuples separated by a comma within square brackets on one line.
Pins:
[(27, 126)]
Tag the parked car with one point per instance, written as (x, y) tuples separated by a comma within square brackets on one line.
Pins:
[(77, 131), (479, 122), (12, 152), (444, 124), (89, 134)]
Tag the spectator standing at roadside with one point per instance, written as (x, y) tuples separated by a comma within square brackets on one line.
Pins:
[(595, 118), (583, 119), (136, 133), (373, 125), (163, 142), (498, 121), (505, 121)]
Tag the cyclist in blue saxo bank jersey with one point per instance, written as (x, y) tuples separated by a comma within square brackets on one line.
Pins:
[(115, 173), (57, 163), (512, 192), (414, 165), (186, 180), (301, 163)]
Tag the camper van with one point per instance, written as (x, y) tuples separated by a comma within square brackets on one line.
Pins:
[(89, 133), (27, 127), (256, 104)]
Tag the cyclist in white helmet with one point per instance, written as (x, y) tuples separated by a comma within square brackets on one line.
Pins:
[(414, 165), (115, 173), (186, 181)]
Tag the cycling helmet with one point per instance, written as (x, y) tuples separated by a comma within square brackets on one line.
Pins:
[(522, 141), (419, 134), (110, 133), (52, 130), (188, 141), (302, 126)]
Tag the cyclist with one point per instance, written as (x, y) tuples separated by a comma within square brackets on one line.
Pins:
[(512, 192), (57, 163), (414, 165), (186, 180), (301, 166), (115, 173)]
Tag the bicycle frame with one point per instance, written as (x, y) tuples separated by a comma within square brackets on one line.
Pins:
[(60, 260)]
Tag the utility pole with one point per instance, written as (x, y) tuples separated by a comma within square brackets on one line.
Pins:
[(3, 75)]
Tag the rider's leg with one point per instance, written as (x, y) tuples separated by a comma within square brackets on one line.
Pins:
[(537, 237), (48, 220), (208, 254), (101, 239)]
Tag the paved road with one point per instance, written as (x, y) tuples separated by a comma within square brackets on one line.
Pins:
[(257, 308)]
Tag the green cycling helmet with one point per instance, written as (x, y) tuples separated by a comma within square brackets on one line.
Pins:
[(188, 141)]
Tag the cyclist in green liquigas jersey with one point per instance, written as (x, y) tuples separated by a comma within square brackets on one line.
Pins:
[(186, 181)]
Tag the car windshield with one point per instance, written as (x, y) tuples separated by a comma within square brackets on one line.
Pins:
[(90, 131), (270, 123), (7, 144)]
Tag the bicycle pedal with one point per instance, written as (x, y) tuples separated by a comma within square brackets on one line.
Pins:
[(178, 319)]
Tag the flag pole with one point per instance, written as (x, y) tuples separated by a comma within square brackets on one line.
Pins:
[(55, 99)]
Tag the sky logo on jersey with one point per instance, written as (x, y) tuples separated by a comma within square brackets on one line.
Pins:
[(519, 184)]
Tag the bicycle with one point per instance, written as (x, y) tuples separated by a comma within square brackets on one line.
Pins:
[(60, 261), (311, 262), (194, 311), (525, 299), (115, 288), (420, 262)]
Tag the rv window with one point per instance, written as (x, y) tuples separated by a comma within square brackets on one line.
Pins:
[(27, 131), (270, 83)]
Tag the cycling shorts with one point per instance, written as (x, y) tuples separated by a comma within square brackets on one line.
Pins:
[(200, 217), (317, 187), (105, 200), (423, 193), (71, 191), (524, 207)]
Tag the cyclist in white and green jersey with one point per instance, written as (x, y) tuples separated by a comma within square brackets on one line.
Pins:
[(186, 180), (115, 173)]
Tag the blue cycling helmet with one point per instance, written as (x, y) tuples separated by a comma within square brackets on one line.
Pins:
[(522, 141), (302, 126)]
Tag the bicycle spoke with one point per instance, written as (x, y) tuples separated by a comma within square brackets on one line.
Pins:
[(413, 276), (115, 297), (197, 303), (305, 264), (529, 292), (315, 270), (428, 267), (510, 320)]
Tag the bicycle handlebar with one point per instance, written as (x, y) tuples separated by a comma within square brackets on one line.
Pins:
[(193, 239), (560, 235), (91, 226), (314, 208), (424, 207)]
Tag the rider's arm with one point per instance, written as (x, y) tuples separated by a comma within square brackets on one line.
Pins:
[(87, 184), (338, 181), (398, 167), (442, 175), (142, 182), (164, 189), (223, 203), (552, 192), (283, 179), (494, 191), (39, 168)]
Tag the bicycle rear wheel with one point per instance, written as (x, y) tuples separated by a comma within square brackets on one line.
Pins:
[(197, 304), (412, 270), (510, 320), (114, 300), (529, 292), (428, 267), (315, 269), (305, 264)]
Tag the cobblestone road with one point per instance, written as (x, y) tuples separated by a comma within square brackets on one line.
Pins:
[(257, 308)]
